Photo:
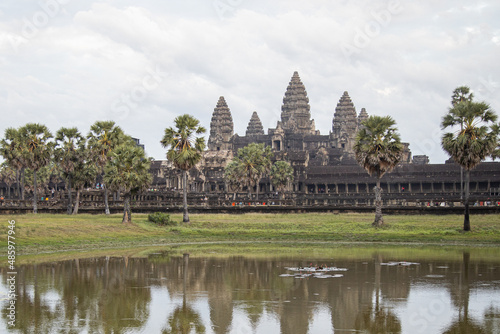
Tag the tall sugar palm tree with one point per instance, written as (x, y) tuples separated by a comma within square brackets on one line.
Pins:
[(69, 143), (461, 94), (128, 172), (184, 149), (233, 177), (475, 137), (10, 149), (8, 176), (378, 150), (85, 173), (103, 138), (281, 175), (36, 151)]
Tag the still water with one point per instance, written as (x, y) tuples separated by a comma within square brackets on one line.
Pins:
[(348, 291)]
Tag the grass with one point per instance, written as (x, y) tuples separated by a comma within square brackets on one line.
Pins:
[(52, 233)]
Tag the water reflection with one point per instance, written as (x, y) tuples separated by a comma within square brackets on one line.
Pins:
[(182, 294)]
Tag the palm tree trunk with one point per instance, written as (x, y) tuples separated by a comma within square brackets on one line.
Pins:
[(379, 221), (35, 199), (127, 212), (106, 204), (70, 200), (22, 183), (185, 217), (77, 201), (257, 191), (18, 184), (466, 214)]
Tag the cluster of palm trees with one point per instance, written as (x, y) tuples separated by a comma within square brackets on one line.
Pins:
[(474, 137), (32, 155)]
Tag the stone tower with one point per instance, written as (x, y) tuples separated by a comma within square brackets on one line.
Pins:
[(221, 127), (255, 127), (295, 112), (363, 116), (345, 124)]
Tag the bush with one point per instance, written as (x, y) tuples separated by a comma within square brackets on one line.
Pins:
[(162, 219)]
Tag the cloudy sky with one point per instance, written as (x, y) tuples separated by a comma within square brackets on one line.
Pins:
[(72, 62)]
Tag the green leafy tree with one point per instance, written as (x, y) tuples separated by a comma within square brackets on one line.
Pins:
[(184, 149), (103, 138), (378, 150), (8, 176), (281, 175), (128, 172), (67, 154), (36, 151), (11, 149), (233, 177), (254, 160), (474, 138)]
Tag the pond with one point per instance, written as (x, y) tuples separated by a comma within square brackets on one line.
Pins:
[(328, 290)]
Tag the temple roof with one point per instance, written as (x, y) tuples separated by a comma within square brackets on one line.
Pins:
[(255, 126)]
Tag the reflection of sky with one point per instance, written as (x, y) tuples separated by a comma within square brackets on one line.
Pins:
[(429, 309)]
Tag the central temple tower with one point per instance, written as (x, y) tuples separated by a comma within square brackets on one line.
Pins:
[(295, 111)]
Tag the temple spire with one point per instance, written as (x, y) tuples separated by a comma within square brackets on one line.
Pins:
[(221, 127), (295, 111), (255, 127), (345, 124)]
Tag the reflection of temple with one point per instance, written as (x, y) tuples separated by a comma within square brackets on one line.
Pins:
[(323, 164), (239, 294)]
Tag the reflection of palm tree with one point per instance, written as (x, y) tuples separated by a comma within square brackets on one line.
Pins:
[(378, 319), (464, 325), (184, 317)]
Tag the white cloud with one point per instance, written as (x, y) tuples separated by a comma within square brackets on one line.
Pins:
[(76, 68)]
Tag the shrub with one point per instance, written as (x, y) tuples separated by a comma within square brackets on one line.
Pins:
[(162, 219)]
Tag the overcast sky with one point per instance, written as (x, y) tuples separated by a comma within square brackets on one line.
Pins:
[(142, 63)]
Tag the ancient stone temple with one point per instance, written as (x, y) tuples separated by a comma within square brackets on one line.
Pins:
[(323, 163)]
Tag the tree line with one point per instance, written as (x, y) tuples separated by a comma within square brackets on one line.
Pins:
[(31, 153)]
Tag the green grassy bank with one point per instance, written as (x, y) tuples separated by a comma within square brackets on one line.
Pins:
[(52, 233)]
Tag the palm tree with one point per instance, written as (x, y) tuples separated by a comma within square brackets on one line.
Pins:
[(36, 151), (10, 149), (281, 175), (476, 139), (254, 160), (128, 171), (184, 149), (233, 177), (461, 94), (84, 173), (8, 176), (103, 138), (378, 150), (67, 154)]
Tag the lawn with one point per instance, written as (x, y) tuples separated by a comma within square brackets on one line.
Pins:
[(51, 233)]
